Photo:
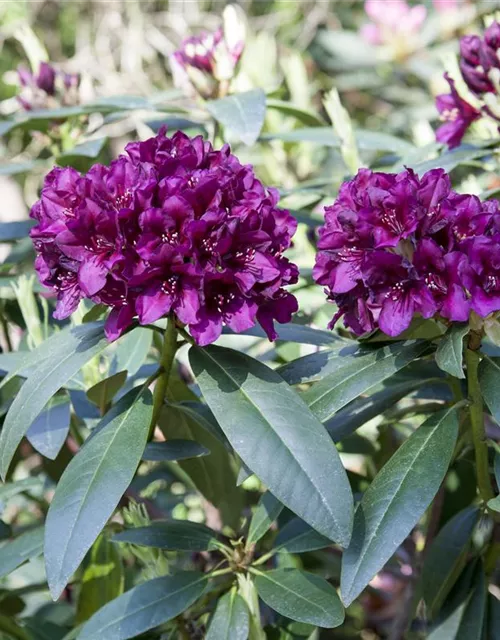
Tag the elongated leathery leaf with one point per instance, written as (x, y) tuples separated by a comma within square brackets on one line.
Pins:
[(231, 619), (145, 607), (301, 596), (356, 374), (92, 485), (276, 435), (60, 357), (397, 499)]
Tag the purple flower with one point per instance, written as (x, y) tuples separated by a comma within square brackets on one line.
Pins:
[(47, 88), (173, 227), (205, 64), (397, 246), (457, 115)]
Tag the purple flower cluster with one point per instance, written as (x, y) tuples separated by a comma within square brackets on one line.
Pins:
[(480, 69), (47, 88), (173, 227), (205, 62), (397, 245)]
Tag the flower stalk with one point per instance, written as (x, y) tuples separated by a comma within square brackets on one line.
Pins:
[(477, 425), (167, 357)]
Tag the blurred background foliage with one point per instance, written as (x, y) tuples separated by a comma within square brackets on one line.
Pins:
[(297, 52)]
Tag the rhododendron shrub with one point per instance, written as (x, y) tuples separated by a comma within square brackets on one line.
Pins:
[(250, 329)]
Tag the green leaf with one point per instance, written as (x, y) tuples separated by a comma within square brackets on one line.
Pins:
[(50, 429), (496, 468), (451, 159), (231, 620), (102, 580), (361, 410), (325, 136), (293, 333), (13, 630), (318, 365), (59, 359), (307, 117), (489, 381), (10, 231), (88, 149), (214, 475), (301, 596), (493, 631), (15, 168), (104, 391), (181, 535), (277, 437), (11, 489), (132, 351), (450, 350), (241, 114), (465, 615), (145, 607), (92, 485), (173, 450), (266, 512), (14, 553), (494, 503), (447, 557), (298, 537), (356, 374), (397, 499)]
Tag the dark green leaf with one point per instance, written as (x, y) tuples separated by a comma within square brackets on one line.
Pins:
[(301, 596), (356, 374), (14, 552), (447, 557), (293, 333), (215, 474), (10, 231), (397, 499), (102, 579), (230, 620), (305, 116), (298, 537), (493, 631), (145, 607), (174, 450), (274, 433), (59, 358), (93, 484), (266, 512), (450, 350), (104, 391), (132, 351), (489, 381), (243, 474), (11, 627), (361, 410), (50, 429), (241, 114), (466, 615), (181, 535), (496, 468), (316, 366)]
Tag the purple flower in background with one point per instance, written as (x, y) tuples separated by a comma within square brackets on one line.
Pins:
[(398, 246), (206, 63), (457, 115), (47, 88), (174, 227)]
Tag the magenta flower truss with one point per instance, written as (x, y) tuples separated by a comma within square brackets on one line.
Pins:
[(48, 88), (174, 226), (396, 246), (480, 69)]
